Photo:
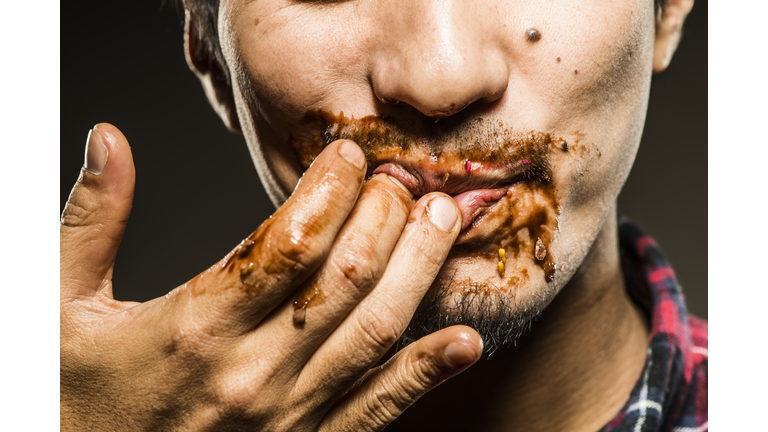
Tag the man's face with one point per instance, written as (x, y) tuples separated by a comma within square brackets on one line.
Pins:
[(528, 113)]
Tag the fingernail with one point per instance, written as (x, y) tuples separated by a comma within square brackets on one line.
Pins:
[(442, 213), (352, 153), (459, 353), (96, 153)]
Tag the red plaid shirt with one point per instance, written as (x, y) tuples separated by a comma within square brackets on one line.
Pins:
[(671, 394)]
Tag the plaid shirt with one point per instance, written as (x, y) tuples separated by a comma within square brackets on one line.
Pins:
[(671, 394)]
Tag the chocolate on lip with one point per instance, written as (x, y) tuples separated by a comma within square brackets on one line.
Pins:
[(420, 152), (473, 190)]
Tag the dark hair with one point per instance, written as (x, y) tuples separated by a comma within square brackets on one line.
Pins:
[(204, 15)]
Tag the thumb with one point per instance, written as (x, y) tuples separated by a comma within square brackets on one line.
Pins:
[(96, 214)]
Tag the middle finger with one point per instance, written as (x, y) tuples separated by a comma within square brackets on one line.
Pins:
[(354, 265)]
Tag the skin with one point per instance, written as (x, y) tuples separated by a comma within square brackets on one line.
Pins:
[(224, 351), (464, 63)]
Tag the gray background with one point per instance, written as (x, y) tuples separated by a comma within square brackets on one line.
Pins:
[(197, 191)]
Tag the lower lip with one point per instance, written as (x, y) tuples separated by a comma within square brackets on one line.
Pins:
[(473, 203)]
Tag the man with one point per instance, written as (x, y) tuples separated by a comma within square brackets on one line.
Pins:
[(498, 136)]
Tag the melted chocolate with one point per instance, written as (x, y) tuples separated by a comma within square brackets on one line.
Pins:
[(308, 296), (532, 213), (240, 258), (530, 217), (451, 141)]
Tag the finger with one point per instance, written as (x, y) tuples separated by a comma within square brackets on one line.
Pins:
[(355, 263), (386, 392), (268, 266), (94, 219), (376, 323)]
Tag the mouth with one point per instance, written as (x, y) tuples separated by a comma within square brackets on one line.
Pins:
[(476, 186), (500, 178)]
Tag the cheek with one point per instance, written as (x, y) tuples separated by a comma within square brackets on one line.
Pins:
[(587, 75), (296, 58), (588, 79), (591, 80), (592, 60)]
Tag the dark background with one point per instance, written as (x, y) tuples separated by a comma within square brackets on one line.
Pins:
[(197, 191)]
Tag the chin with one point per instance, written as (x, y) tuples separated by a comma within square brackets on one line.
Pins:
[(466, 292)]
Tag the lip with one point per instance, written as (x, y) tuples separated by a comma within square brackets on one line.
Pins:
[(475, 186)]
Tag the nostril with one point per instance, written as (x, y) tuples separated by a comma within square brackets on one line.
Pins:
[(388, 101), (447, 111), (437, 91)]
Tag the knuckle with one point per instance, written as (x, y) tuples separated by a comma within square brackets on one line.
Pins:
[(297, 246), (399, 393), (331, 182), (232, 394), (242, 395), (234, 399), (422, 372), (192, 344), (426, 253), (382, 409), (185, 346), (380, 325), (358, 269), (343, 186), (399, 200), (79, 210), (393, 196)]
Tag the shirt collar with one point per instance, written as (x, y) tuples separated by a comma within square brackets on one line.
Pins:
[(652, 284)]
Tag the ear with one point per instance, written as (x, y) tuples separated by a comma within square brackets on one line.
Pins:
[(212, 74), (669, 26)]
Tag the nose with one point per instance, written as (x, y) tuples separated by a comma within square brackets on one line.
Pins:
[(438, 56)]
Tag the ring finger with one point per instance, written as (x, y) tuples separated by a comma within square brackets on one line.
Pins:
[(354, 265)]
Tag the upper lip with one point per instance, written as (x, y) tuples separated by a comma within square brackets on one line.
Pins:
[(425, 177)]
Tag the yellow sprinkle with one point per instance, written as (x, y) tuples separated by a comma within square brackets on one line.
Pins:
[(501, 269), (502, 255)]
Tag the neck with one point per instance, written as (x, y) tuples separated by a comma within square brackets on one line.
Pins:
[(574, 371)]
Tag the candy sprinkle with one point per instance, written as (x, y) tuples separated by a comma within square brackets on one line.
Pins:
[(540, 251), (502, 255), (469, 165), (501, 269)]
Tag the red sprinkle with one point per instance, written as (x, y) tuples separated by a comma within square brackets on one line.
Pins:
[(526, 161), (469, 165)]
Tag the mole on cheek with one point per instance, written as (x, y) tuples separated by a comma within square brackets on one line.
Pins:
[(533, 35)]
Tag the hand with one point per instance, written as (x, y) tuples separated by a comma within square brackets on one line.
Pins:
[(279, 335)]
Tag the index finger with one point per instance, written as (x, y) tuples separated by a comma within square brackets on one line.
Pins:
[(236, 293)]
